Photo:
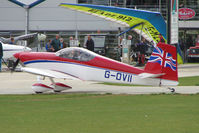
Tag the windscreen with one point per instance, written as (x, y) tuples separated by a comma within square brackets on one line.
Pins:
[(75, 54), (194, 51)]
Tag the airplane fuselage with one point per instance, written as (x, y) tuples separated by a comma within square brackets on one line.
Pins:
[(99, 68), (9, 50)]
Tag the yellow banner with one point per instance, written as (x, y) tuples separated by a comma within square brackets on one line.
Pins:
[(126, 20)]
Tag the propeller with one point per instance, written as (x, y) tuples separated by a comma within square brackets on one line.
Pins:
[(15, 65)]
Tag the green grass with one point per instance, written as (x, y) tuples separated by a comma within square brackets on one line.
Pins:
[(191, 63), (84, 113), (189, 81)]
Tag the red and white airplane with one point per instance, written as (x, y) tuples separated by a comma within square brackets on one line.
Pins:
[(80, 63)]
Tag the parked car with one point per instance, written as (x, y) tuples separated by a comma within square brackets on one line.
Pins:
[(193, 54)]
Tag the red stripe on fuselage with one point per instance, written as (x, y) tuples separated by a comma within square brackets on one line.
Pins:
[(106, 63), (98, 61)]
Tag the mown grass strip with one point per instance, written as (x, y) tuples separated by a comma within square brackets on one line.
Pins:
[(88, 113)]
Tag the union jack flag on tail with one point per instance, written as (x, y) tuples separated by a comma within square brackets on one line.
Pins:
[(158, 57), (163, 60), (170, 62)]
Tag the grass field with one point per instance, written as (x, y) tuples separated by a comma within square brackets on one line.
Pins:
[(189, 81), (87, 113)]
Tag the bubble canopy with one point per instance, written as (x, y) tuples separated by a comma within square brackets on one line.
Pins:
[(76, 53)]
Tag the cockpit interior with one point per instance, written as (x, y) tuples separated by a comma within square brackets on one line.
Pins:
[(76, 53)]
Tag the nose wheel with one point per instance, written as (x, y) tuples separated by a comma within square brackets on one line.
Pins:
[(171, 89)]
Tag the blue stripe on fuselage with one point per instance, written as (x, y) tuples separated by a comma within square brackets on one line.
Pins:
[(11, 49), (41, 61)]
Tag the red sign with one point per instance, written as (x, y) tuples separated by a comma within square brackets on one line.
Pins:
[(186, 13)]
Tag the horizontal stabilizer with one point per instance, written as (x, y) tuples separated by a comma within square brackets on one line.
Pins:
[(47, 73), (150, 75)]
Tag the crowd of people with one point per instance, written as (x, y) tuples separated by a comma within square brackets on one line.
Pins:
[(58, 43), (138, 49)]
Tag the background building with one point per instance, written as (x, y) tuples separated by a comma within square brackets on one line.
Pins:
[(50, 19), (48, 16)]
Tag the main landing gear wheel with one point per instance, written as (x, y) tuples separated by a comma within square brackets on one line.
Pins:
[(57, 91), (171, 89), (38, 92)]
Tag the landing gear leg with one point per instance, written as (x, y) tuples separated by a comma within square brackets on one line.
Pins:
[(53, 84), (39, 79), (171, 89), (51, 79)]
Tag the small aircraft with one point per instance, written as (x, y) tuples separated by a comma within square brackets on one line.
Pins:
[(9, 50), (17, 38), (80, 63)]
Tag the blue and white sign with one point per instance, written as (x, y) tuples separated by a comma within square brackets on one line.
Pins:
[(27, 3)]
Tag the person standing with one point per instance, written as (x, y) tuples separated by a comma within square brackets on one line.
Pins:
[(12, 40), (55, 44), (141, 52), (48, 46), (76, 41), (63, 44), (71, 42), (1, 54), (130, 42), (90, 44), (197, 40)]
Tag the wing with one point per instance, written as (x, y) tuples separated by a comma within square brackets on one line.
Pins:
[(25, 37), (48, 73), (4, 40), (150, 23), (17, 38)]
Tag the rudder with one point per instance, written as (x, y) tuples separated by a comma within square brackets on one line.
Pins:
[(163, 60)]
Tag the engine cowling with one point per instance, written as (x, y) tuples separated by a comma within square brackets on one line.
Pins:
[(40, 88), (58, 87)]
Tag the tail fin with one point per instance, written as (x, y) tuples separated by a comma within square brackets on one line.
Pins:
[(163, 60)]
